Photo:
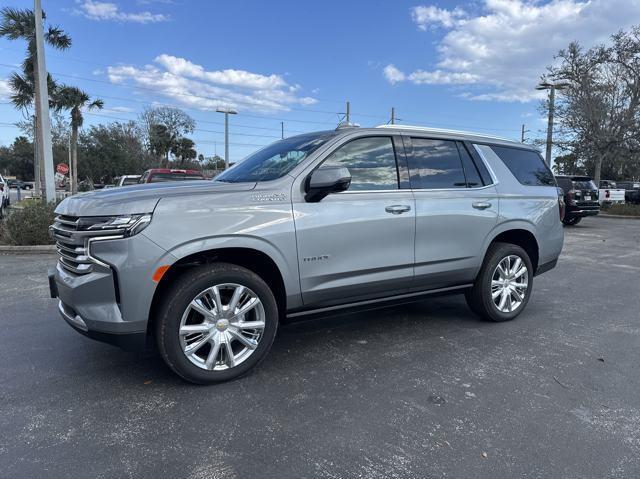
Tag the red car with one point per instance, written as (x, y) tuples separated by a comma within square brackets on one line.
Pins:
[(158, 175)]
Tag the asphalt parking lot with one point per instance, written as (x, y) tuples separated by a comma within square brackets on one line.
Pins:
[(425, 390)]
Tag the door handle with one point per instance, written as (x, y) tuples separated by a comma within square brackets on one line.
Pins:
[(481, 205), (397, 209)]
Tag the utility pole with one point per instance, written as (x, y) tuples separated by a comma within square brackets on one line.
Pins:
[(552, 101), (523, 133), (282, 127), (37, 185), (393, 116), (42, 98), (348, 115), (552, 87), (71, 184), (227, 111)]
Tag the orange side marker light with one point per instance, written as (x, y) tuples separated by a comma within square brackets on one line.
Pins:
[(157, 276)]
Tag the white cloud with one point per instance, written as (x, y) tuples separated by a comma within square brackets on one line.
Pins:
[(239, 78), (5, 91), (95, 10), (432, 16), (393, 75), (439, 77), (500, 51), (190, 85)]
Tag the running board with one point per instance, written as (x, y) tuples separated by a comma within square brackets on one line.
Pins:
[(380, 302)]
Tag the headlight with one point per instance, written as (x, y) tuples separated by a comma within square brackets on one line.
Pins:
[(127, 225)]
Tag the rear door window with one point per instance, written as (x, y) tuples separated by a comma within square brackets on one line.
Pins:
[(435, 164), (526, 165)]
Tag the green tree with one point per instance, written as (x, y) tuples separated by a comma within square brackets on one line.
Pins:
[(160, 141), (567, 165), (17, 159), (184, 149), (107, 151), (74, 99)]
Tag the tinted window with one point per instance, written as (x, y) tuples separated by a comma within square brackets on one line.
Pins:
[(162, 177), (564, 183), (526, 165), (435, 164), (371, 161), (129, 181), (584, 185), (470, 171)]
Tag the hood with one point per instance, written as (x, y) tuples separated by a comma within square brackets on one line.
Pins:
[(140, 198)]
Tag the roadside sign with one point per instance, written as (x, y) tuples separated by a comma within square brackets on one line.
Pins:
[(62, 168)]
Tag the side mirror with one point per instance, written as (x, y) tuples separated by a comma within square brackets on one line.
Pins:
[(325, 180)]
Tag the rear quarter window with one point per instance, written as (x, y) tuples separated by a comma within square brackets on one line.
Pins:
[(526, 165)]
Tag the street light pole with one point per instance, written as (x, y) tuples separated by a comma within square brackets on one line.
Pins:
[(42, 98), (227, 112), (552, 87)]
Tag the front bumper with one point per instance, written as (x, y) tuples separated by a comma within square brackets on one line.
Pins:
[(112, 302)]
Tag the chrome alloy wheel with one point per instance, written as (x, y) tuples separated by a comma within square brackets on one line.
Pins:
[(509, 284), (222, 326)]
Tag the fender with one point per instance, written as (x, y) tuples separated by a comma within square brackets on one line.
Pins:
[(288, 271), (507, 226)]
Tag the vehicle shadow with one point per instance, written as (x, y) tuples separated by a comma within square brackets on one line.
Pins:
[(304, 341)]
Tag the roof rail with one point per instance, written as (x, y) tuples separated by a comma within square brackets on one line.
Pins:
[(443, 130), (343, 124)]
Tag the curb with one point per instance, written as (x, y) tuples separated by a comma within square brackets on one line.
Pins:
[(620, 217), (37, 249)]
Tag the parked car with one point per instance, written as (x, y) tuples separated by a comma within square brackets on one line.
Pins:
[(580, 198), (313, 224), (160, 175), (5, 196), (609, 193), (632, 191), (126, 180)]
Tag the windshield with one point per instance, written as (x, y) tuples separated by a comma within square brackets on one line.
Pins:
[(275, 160)]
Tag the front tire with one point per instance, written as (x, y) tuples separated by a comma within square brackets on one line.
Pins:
[(503, 286), (217, 323)]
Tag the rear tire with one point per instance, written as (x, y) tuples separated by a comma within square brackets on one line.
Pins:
[(501, 297), (572, 221), (203, 335)]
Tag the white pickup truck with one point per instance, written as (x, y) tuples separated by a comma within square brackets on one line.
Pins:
[(608, 193)]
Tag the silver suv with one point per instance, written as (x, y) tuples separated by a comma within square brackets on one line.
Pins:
[(315, 223)]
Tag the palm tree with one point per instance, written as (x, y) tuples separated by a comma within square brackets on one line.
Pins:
[(74, 99), (16, 24)]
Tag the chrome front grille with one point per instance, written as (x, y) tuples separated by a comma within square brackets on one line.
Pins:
[(72, 243), (71, 246)]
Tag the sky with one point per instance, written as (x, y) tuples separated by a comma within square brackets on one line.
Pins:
[(467, 65)]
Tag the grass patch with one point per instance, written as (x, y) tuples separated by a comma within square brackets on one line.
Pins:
[(626, 209)]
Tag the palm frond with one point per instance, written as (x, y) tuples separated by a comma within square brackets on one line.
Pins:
[(57, 38), (16, 23), (22, 91)]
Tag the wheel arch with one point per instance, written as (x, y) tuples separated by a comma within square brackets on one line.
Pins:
[(253, 259), (518, 233)]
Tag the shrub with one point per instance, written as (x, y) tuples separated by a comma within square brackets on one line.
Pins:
[(28, 225), (626, 209)]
